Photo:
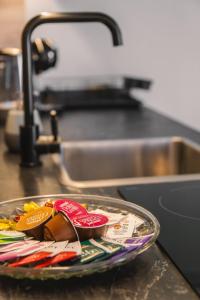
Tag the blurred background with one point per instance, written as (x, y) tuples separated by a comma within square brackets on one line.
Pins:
[(161, 42)]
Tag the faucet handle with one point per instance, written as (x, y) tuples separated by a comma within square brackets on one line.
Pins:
[(54, 124), (49, 143)]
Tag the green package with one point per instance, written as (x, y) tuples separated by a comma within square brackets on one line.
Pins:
[(108, 247), (90, 252)]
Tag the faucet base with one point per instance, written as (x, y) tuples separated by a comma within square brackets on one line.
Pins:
[(28, 137)]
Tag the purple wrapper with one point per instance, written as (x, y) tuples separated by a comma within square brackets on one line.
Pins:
[(124, 251), (138, 240)]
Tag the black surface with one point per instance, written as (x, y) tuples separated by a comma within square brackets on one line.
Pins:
[(151, 276), (95, 96), (177, 208), (63, 100)]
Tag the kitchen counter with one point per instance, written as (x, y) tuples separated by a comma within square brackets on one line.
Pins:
[(151, 275)]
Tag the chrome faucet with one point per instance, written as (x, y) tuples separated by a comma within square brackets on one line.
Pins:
[(31, 143)]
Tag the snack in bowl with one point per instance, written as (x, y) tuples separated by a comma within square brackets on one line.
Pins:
[(59, 228), (93, 229), (32, 223)]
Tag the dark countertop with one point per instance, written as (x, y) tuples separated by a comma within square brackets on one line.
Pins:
[(151, 275)]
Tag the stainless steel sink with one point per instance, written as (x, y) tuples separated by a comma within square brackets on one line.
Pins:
[(104, 163)]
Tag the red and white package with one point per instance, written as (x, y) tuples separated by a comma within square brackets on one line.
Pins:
[(78, 215), (90, 221), (70, 208), (61, 257), (49, 251), (30, 259)]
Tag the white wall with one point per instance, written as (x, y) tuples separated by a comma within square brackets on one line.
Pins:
[(161, 41)]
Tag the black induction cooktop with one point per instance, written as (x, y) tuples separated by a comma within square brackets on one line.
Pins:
[(177, 208)]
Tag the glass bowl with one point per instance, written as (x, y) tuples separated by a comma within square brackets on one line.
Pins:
[(150, 226)]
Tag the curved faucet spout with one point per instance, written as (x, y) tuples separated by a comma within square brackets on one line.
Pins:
[(29, 135), (45, 18)]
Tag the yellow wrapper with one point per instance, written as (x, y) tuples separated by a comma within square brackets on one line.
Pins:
[(4, 226), (84, 205), (30, 206), (7, 224)]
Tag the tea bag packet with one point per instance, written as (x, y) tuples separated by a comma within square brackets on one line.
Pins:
[(125, 228), (9, 237), (58, 259), (17, 245), (109, 248), (49, 251), (30, 259), (74, 247), (7, 242), (12, 235), (90, 252), (24, 251), (124, 248), (69, 254), (113, 218), (131, 243), (141, 240)]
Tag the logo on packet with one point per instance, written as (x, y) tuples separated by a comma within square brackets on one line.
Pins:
[(70, 208), (90, 220)]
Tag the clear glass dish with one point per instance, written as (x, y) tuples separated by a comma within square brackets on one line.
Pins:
[(150, 226)]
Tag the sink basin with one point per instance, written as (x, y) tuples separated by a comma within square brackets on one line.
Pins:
[(86, 164)]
